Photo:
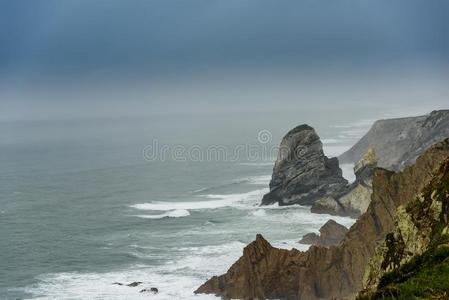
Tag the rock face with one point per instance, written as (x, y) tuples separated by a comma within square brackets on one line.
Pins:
[(265, 272), (302, 173), (356, 198), (331, 234), (399, 142), (418, 226)]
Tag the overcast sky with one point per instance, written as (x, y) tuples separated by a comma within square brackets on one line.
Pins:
[(58, 57)]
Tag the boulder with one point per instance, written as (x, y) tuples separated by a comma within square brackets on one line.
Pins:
[(331, 234), (302, 173)]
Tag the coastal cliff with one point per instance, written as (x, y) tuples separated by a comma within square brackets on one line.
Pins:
[(400, 141), (413, 260), (266, 272), (302, 173)]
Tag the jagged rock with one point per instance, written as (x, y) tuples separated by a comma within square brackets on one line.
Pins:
[(364, 168), (331, 234), (302, 173), (418, 226), (400, 141), (265, 272), (355, 200), (134, 284)]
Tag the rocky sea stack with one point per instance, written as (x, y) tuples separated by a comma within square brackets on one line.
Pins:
[(302, 173), (266, 272)]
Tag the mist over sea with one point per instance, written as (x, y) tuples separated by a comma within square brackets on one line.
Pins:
[(83, 206)]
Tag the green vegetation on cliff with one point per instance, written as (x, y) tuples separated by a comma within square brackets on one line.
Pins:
[(424, 277)]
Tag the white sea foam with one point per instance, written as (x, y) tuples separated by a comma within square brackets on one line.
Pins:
[(100, 285), (219, 201), (176, 279), (170, 214), (348, 172), (259, 213)]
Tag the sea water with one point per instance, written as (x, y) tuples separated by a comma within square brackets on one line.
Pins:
[(83, 206)]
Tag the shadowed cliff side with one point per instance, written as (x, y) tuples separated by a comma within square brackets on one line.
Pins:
[(325, 273)]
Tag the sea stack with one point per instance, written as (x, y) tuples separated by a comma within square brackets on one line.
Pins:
[(302, 173)]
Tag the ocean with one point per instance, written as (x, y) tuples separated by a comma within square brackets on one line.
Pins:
[(168, 201)]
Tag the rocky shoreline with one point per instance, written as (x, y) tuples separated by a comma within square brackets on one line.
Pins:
[(340, 264)]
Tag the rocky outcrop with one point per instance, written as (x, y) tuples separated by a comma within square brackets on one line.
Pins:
[(419, 226), (399, 142), (302, 173), (331, 234), (355, 199), (327, 272)]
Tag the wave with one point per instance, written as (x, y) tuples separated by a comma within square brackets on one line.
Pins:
[(79, 286), (256, 180), (229, 200), (178, 213), (175, 279)]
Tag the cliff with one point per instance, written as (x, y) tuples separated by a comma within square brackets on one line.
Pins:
[(414, 256), (265, 272), (302, 173), (399, 142)]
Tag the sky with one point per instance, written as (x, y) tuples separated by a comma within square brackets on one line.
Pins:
[(72, 58)]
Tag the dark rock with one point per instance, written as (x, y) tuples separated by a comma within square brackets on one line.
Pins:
[(400, 141), (265, 272), (331, 234), (118, 283), (150, 290), (302, 173), (134, 284)]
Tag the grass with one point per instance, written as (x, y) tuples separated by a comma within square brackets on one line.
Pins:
[(424, 277)]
